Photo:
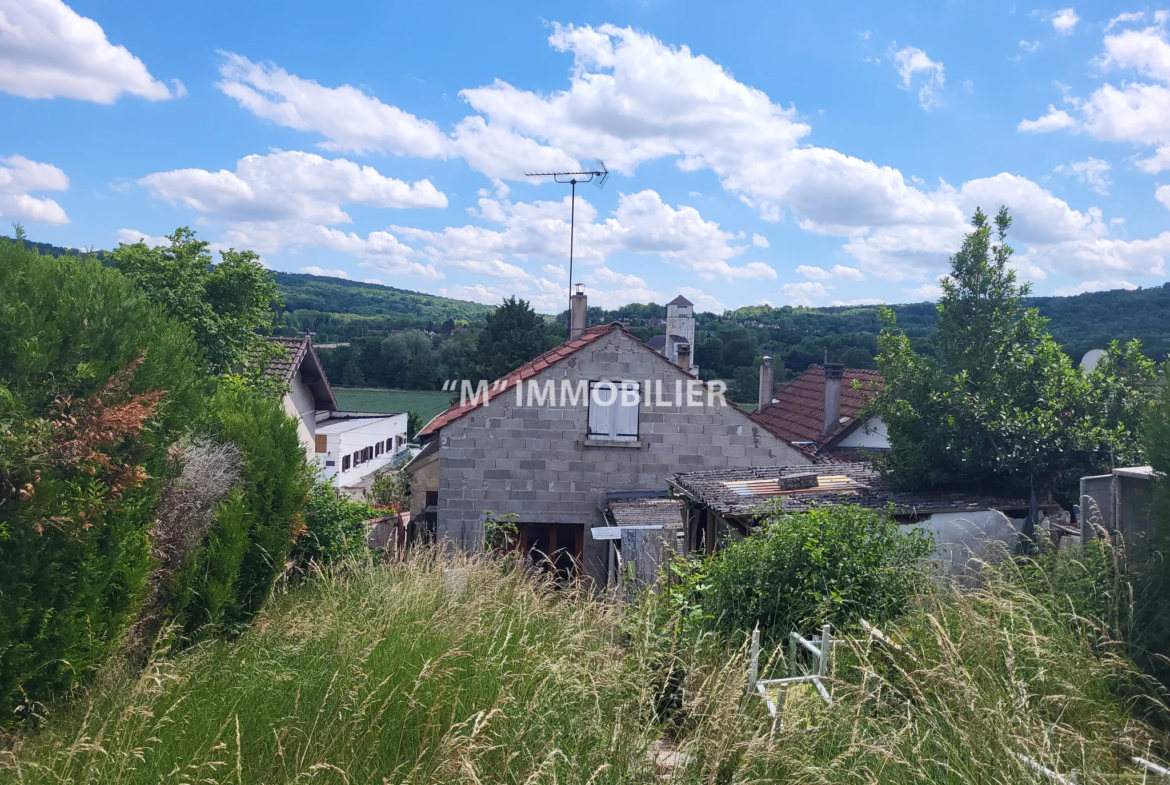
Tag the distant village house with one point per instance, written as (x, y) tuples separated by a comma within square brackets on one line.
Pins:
[(347, 447)]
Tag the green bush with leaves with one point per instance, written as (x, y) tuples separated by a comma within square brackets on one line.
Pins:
[(248, 545), (334, 527), (96, 385), (835, 564)]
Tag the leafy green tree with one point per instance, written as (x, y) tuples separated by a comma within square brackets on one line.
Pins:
[(351, 374), (228, 306), (512, 335), (1000, 404), (410, 360)]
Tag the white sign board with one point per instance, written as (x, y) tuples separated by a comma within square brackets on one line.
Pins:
[(615, 532)]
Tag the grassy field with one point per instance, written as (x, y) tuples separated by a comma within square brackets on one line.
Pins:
[(385, 674), (376, 399)]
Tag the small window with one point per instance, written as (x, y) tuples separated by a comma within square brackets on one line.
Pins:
[(378, 449), (322, 442), (330, 463), (345, 464), (357, 457), (613, 411)]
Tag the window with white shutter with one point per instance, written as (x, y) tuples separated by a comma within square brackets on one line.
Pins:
[(613, 411)]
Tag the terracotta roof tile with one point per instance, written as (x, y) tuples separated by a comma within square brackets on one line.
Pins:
[(799, 412)]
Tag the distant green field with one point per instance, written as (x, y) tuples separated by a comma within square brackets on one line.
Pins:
[(374, 399)]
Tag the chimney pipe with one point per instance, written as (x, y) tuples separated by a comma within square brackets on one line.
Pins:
[(578, 310), (833, 373), (766, 383), (684, 357)]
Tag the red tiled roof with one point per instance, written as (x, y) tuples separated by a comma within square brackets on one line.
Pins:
[(525, 371), (799, 412)]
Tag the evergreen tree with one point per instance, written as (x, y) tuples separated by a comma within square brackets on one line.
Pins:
[(1000, 405), (513, 335)]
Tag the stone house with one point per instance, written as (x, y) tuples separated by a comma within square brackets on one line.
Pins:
[(601, 417)]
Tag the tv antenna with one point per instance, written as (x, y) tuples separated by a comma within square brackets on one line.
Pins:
[(597, 176)]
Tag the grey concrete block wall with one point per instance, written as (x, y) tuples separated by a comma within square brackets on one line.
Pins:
[(537, 460)]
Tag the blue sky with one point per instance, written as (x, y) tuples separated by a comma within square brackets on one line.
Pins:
[(760, 152)]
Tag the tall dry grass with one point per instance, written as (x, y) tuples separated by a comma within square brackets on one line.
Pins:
[(370, 673), (376, 673), (962, 685)]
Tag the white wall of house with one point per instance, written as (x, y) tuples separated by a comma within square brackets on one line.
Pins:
[(299, 404), (382, 438), (876, 439)]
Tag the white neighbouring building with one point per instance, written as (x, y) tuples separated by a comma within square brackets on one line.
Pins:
[(347, 447)]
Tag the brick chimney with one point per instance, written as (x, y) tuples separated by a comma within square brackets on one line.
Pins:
[(578, 311), (684, 357), (766, 383), (834, 371)]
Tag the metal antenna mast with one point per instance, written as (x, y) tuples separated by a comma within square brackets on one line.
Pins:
[(597, 176)]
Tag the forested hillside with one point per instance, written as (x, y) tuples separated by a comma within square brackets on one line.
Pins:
[(338, 310), (728, 345)]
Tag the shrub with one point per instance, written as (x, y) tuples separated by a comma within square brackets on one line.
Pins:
[(228, 580), (797, 571), (334, 527), (96, 384)]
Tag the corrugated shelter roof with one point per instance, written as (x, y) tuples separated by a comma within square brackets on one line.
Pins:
[(506, 383), (664, 512), (735, 493), (300, 355), (798, 415)]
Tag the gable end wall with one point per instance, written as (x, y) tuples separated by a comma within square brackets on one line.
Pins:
[(535, 461)]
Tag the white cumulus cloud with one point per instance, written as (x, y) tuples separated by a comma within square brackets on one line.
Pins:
[(285, 185), (48, 50), (18, 176), (1094, 172), (631, 99), (350, 120), (912, 61), (328, 273), (1065, 21), (1163, 195), (839, 272), (1135, 110), (641, 224), (1054, 120), (803, 293)]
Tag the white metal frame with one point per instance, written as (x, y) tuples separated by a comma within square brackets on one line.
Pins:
[(820, 647)]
